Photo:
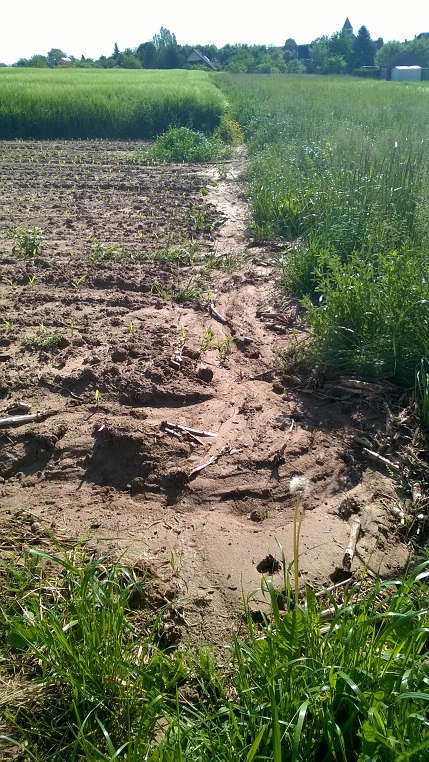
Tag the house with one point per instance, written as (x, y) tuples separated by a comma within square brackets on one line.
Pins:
[(406, 59), (196, 57), (406, 74)]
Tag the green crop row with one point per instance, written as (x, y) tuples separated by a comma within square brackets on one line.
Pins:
[(340, 171), (125, 104)]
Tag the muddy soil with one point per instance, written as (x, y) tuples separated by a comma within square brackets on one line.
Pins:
[(137, 351)]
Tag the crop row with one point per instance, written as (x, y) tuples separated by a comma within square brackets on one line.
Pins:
[(79, 104)]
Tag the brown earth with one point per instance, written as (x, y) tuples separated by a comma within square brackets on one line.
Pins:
[(107, 467)]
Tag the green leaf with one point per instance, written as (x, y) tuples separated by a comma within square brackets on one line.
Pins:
[(292, 632), (20, 637), (298, 730)]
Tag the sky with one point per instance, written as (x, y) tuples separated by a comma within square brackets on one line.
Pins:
[(91, 28)]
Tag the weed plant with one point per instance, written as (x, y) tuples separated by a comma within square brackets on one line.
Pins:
[(102, 253), (26, 242), (181, 144), (297, 688), (339, 168), (44, 341), (190, 292)]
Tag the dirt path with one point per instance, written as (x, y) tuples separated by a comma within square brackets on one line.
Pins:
[(108, 467)]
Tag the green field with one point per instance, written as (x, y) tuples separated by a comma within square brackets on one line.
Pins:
[(339, 167), (125, 104)]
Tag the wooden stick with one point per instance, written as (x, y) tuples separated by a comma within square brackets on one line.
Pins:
[(211, 460), (351, 547), (200, 468), (18, 420), (197, 432), (217, 315), (365, 386), (399, 513), (327, 590), (416, 492), (382, 461), (173, 433)]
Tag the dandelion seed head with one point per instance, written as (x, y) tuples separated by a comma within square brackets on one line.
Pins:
[(299, 486)]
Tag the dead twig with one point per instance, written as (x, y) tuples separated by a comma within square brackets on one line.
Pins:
[(214, 313), (381, 460), (188, 429), (20, 420), (213, 459), (200, 468), (351, 547)]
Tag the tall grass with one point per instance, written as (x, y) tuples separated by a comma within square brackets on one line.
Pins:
[(340, 169), (79, 104), (297, 688)]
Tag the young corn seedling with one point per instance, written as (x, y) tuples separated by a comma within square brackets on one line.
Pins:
[(80, 280), (224, 347), (208, 340)]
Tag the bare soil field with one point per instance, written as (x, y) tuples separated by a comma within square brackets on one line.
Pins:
[(139, 352)]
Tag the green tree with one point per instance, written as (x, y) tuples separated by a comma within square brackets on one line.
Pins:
[(319, 54), (363, 49), (38, 62), (341, 46), (332, 55), (389, 49), (294, 67), (168, 55), (128, 60), (146, 53), (421, 48), (290, 50), (54, 56), (115, 54)]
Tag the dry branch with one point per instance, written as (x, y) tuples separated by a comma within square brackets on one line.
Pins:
[(200, 468), (214, 313), (351, 547), (213, 459), (20, 420), (197, 432), (382, 461)]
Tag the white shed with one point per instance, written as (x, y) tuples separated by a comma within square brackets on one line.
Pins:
[(406, 73)]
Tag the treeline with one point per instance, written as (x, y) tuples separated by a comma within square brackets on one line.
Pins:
[(344, 53), (340, 53)]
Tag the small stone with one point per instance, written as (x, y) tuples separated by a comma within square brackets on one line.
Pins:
[(193, 354), (118, 355), (269, 565), (205, 374), (36, 528), (257, 515)]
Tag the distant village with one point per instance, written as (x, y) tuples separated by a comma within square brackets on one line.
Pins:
[(341, 53)]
